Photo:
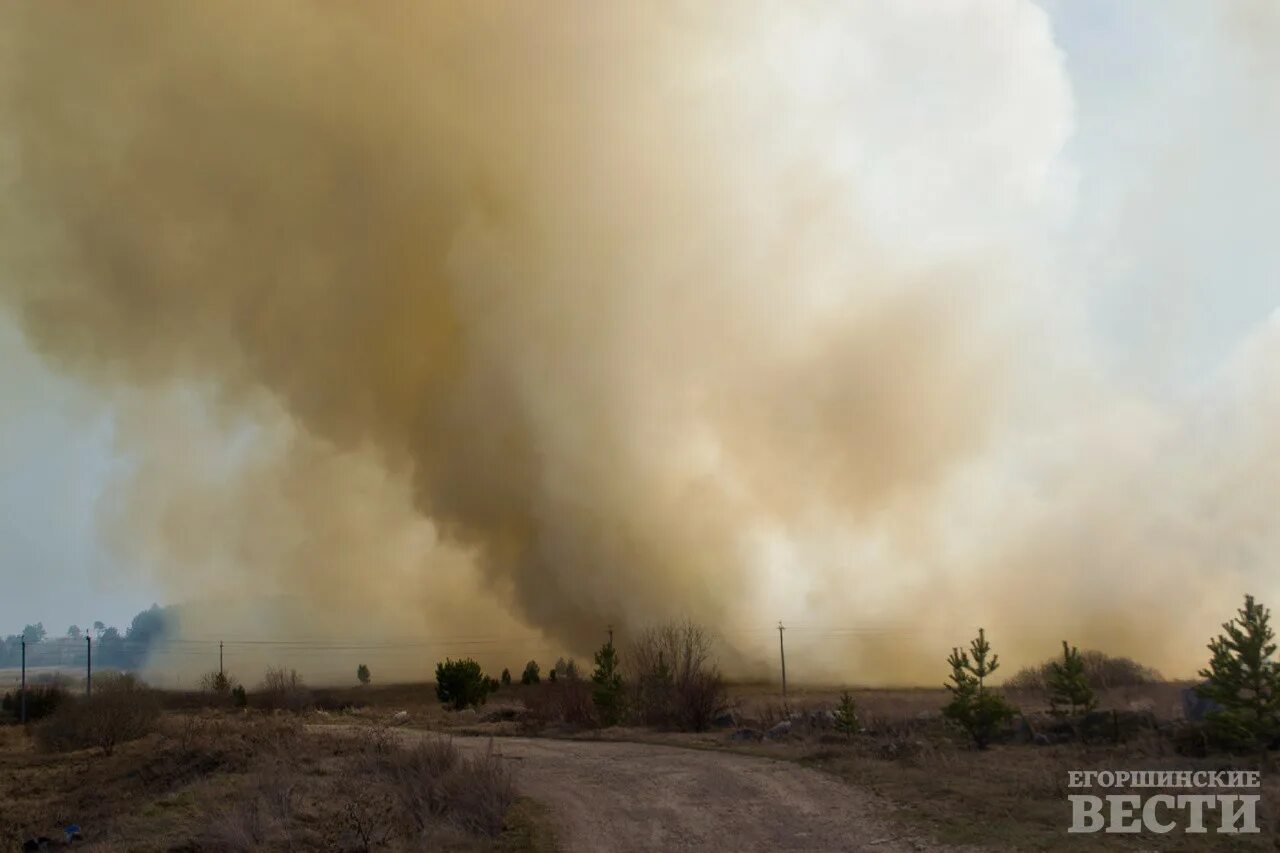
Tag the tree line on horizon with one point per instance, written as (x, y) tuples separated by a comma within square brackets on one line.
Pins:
[(114, 648)]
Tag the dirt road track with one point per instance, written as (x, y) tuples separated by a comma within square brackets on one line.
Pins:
[(608, 796)]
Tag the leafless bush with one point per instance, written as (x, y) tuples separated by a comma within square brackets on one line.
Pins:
[(419, 777), (42, 700), (1101, 671), (218, 686), (676, 681), (275, 786), (565, 700), (431, 781), (240, 828), (282, 690), (121, 709), (481, 791)]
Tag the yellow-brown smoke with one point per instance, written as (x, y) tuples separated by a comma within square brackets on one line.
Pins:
[(501, 315)]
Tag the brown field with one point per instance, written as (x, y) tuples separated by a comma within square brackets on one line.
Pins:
[(226, 779)]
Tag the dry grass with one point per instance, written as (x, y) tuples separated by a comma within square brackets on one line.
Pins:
[(217, 780), (1013, 796)]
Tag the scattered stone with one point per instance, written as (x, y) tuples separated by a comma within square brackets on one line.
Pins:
[(467, 714), (399, 718), (779, 731), (823, 719)]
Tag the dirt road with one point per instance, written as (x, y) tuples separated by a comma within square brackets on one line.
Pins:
[(608, 796)]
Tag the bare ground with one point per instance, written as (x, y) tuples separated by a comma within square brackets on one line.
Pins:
[(633, 797)]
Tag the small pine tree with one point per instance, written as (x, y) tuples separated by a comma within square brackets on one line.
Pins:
[(846, 714), (532, 673), (607, 691), (506, 677), (551, 676), (461, 683), (1068, 688), (239, 696), (362, 674), (1243, 678), (973, 707)]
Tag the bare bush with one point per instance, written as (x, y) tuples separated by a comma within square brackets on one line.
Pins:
[(121, 709), (218, 684), (42, 700), (419, 777), (431, 781), (1101, 671), (282, 690), (240, 828), (565, 700), (481, 791), (676, 681)]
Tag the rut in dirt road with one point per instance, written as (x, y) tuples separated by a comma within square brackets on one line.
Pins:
[(608, 796)]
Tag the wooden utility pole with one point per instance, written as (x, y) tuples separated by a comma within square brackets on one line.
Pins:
[(610, 635), (782, 653), (24, 680), (219, 657), (88, 666)]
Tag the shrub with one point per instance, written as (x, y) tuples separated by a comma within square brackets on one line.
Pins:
[(1244, 679), (973, 707), (481, 791), (239, 697), (676, 681), (531, 674), (362, 674), (282, 690), (42, 701), (506, 677), (1067, 684), (121, 709), (418, 777), (461, 683), (607, 692), (219, 687), (430, 780), (1101, 672)]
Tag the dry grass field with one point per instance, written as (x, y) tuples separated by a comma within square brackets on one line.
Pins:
[(340, 776)]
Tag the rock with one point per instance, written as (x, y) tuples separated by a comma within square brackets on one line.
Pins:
[(724, 721), (822, 719), (399, 718), (743, 735), (779, 731), (1197, 708), (467, 714)]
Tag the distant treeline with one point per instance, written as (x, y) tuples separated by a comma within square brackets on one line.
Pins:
[(112, 648)]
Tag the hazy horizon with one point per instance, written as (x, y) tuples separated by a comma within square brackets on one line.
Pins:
[(886, 321)]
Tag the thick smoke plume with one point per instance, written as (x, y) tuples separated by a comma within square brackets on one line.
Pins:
[(541, 317)]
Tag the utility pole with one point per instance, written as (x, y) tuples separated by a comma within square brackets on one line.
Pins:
[(610, 636), (219, 657), (24, 680), (782, 653), (88, 666)]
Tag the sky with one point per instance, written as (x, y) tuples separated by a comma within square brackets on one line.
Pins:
[(1107, 166)]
